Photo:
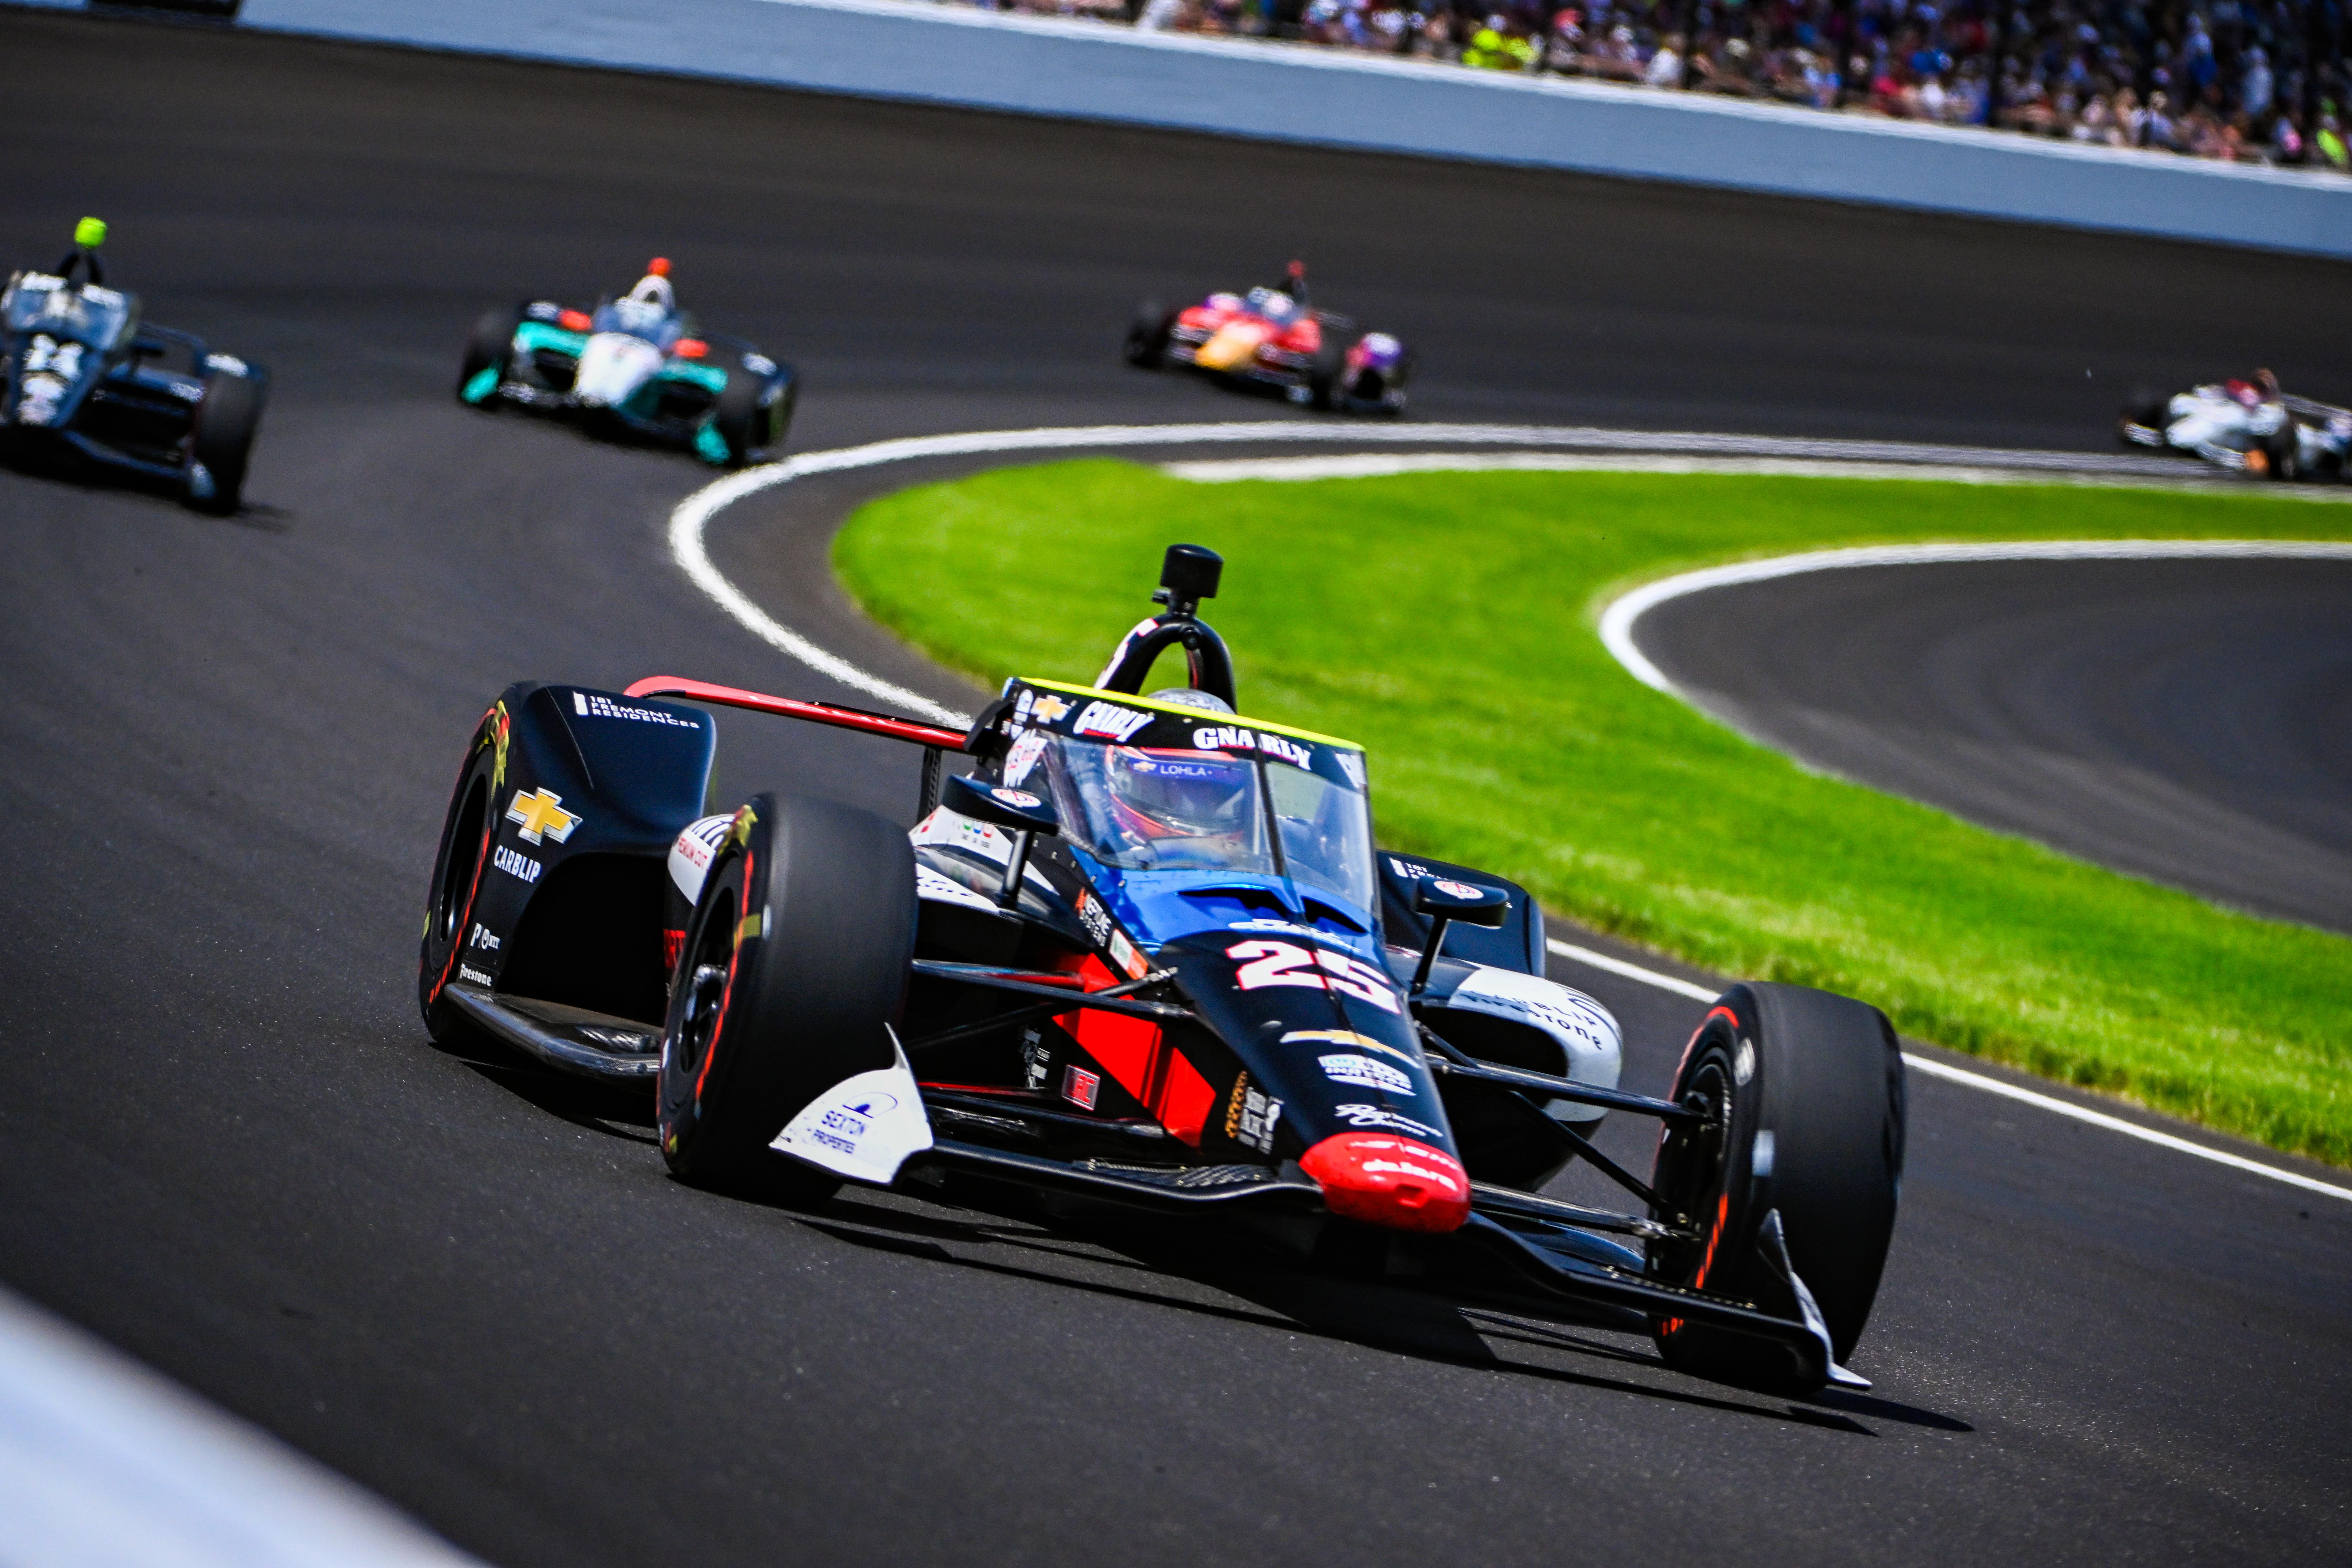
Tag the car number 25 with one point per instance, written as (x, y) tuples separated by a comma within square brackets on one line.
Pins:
[(1265, 964)]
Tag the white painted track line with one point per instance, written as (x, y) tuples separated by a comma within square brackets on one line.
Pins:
[(692, 517), (105, 1464), (1977, 1080), (1619, 619), (1381, 465), (1592, 959)]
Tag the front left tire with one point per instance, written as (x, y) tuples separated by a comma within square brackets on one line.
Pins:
[(791, 977)]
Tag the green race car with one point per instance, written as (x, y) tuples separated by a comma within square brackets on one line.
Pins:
[(634, 364)]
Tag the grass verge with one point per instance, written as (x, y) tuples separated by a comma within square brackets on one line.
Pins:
[(1446, 621)]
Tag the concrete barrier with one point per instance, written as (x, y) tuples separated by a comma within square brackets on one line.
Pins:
[(954, 55)]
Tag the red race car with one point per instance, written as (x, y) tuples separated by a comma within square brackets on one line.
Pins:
[(1271, 337)]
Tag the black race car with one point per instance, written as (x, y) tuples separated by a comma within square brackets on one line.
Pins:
[(1144, 956), (82, 376)]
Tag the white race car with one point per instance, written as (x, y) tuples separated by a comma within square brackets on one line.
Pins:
[(2249, 427)]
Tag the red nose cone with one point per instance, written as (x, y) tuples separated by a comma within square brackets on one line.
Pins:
[(1395, 1182)]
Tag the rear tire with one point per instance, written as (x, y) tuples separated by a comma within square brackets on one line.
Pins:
[(491, 343), (1147, 334), (794, 968), (226, 421), (1812, 1084), (2284, 455)]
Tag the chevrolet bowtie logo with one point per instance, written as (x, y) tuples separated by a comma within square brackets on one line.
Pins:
[(542, 815), (1050, 707)]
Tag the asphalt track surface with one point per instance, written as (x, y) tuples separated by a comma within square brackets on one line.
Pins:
[(2185, 720), (227, 1146)]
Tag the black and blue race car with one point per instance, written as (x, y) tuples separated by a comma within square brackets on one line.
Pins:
[(1144, 955), (84, 378), (635, 365)]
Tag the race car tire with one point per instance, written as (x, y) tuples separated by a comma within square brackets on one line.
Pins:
[(1326, 380), (793, 967), (748, 429), (2285, 456), (223, 442), (1374, 392), (458, 868), (1809, 1092), (2146, 409), (1147, 334), (491, 343)]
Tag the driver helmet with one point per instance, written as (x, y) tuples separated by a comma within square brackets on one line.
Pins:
[(1271, 303), (1158, 792), (654, 288), (1192, 697)]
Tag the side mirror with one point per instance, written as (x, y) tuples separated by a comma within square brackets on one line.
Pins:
[(1024, 815), (1471, 905), (1444, 902), (1015, 810)]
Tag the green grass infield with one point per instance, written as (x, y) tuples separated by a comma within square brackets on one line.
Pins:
[(1447, 621)]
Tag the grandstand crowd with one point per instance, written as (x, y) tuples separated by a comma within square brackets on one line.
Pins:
[(2250, 80)]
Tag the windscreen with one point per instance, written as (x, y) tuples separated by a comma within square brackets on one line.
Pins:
[(1273, 304), (1162, 809), (1326, 834), (638, 317)]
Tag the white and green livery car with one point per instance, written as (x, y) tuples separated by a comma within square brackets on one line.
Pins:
[(647, 371)]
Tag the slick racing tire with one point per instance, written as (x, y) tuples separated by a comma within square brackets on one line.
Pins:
[(1147, 334), (223, 441), (458, 870), (793, 969), (1375, 393), (748, 429), (1325, 380), (488, 348), (2145, 408), (2283, 455), (1807, 1093)]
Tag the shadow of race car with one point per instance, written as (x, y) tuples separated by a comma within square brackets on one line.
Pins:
[(1145, 957), (82, 376), (635, 365), (1270, 338)]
